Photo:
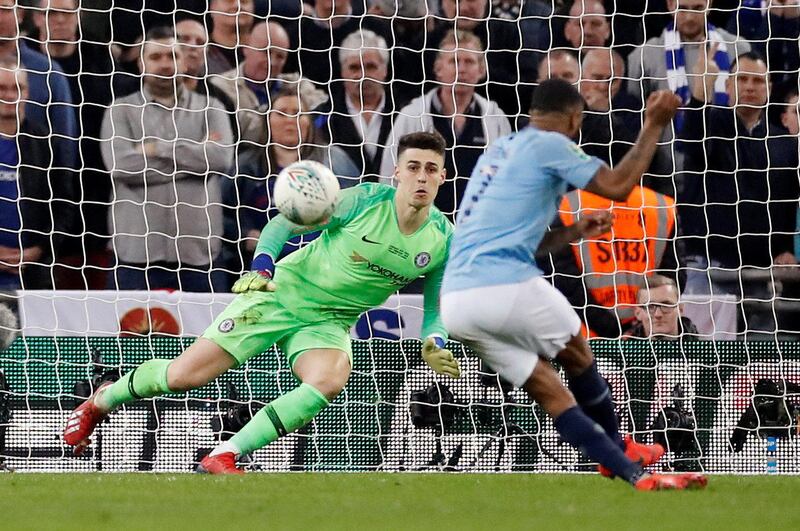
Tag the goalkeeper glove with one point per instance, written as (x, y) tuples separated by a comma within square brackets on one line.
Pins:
[(259, 279), (439, 359)]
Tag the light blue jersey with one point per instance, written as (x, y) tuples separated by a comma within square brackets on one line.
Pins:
[(511, 199)]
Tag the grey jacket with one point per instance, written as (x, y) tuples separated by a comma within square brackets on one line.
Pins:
[(167, 208), (251, 115)]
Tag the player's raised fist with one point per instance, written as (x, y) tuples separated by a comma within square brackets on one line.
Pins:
[(593, 224), (661, 107)]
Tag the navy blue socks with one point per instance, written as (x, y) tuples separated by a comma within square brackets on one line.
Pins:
[(587, 436), (593, 395)]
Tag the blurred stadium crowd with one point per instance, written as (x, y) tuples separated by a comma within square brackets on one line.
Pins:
[(139, 140)]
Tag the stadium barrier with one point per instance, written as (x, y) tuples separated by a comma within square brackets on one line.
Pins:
[(101, 313), (701, 390)]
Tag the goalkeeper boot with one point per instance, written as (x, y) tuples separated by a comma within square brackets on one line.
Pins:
[(687, 481), (224, 463), (644, 454), (82, 422)]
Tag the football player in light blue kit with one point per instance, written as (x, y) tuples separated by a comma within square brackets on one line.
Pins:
[(495, 299)]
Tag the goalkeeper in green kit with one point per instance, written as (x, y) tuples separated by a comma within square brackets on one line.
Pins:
[(378, 240)]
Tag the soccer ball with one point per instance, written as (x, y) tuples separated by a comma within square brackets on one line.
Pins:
[(306, 192)]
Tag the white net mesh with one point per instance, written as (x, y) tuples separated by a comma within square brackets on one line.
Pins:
[(139, 143)]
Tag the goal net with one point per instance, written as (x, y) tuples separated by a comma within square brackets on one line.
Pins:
[(139, 143)]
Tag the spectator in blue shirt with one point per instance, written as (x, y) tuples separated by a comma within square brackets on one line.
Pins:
[(29, 224), (93, 81)]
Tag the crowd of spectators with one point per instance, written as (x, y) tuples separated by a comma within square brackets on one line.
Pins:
[(145, 143)]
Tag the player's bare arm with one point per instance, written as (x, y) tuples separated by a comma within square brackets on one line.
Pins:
[(617, 183)]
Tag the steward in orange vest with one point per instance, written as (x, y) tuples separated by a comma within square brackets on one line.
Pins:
[(601, 277)]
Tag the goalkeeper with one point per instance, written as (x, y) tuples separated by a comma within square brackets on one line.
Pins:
[(378, 240)]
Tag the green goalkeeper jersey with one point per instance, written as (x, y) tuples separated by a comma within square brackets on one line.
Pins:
[(359, 259)]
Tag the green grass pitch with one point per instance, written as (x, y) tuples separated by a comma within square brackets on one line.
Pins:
[(388, 501)]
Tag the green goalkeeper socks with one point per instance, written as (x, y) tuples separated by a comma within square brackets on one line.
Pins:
[(145, 381), (283, 415)]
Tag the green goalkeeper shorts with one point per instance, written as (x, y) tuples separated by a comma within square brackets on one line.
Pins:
[(255, 321)]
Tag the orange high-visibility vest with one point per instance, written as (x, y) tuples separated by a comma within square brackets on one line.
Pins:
[(614, 265)]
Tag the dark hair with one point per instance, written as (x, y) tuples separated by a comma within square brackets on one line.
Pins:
[(753, 56), (555, 95), (160, 33), (432, 141), (779, 98), (788, 93)]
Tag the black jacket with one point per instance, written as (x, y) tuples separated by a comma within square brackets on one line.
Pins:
[(737, 202), (44, 203), (610, 135), (314, 49), (94, 82)]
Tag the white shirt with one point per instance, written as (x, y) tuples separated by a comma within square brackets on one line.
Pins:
[(369, 132)]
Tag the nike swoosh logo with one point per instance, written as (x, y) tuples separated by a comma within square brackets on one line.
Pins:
[(365, 239)]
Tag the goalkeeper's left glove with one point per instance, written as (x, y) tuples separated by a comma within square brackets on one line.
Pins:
[(440, 359)]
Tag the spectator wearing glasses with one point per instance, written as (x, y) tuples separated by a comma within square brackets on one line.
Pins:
[(659, 313), (601, 276)]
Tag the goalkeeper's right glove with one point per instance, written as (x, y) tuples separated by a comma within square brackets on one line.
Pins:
[(259, 279)]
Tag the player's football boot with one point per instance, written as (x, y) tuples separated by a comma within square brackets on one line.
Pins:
[(82, 422), (224, 463), (687, 481), (644, 454)]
